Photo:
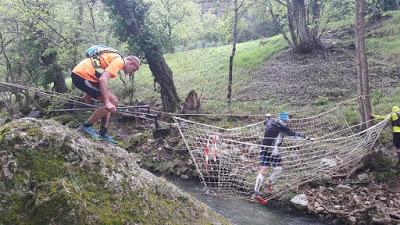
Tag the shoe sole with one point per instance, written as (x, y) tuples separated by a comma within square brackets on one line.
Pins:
[(110, 142), (261, 200), (114, 143), (97, 138)]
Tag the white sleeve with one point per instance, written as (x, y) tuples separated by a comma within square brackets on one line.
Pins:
[(275, 151), (278, 142)]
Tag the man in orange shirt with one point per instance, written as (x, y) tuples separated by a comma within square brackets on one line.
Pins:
[(92, 80)]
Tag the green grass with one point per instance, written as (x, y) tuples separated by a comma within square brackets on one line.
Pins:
[(206, 71), (387, 42), (335, 25), (383, 104)]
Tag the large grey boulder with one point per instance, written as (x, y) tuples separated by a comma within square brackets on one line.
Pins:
[(300, 201), (50, 174)]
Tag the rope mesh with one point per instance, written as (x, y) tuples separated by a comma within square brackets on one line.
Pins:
[(227, 159)]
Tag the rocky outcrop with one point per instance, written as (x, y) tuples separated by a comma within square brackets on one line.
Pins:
[(50, 174), (166, 155)]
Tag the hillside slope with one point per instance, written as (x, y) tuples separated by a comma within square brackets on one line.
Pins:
[(301, 79), (268, 73), (331, 72)]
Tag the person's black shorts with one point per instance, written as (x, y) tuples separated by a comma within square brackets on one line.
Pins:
[(90, 88), (396, 140), (267, 159)]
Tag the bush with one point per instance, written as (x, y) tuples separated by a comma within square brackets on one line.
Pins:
[(321, 100), (383, 167)]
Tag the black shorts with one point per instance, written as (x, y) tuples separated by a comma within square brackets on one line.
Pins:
[(90, 88), (396, 140), (267, 159)]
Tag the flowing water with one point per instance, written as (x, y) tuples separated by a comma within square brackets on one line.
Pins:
[(243, 212)]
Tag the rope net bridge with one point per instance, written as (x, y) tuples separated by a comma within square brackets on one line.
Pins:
[(65, 103), (227, 160)]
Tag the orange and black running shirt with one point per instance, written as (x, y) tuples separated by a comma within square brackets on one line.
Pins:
[(110, 62)]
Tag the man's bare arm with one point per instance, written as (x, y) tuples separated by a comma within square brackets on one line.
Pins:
[(104, 90)]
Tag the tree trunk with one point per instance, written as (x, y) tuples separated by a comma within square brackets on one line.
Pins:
[(58, 80), (316, 6), (303, 39), (132, 14), (49, 61), (303, 32), (163, 75), (298, 27), (362, 64), (398, 4), (232, 56), (291, 21)]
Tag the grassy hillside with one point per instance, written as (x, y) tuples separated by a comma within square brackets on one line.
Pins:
[(205, 70), (385, 39), (383, 45)]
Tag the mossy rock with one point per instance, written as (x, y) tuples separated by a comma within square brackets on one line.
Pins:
[(53, 175), (72, 120), (63, 119)]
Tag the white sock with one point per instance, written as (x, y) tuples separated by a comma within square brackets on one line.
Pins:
[(259, 181), (275, 174)]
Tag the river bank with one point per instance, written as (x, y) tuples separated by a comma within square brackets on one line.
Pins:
[(370, 196), (243, 212), (361, 200)]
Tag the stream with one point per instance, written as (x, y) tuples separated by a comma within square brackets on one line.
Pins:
[(243, 212)]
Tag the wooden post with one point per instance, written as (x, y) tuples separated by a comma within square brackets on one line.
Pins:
[(362, 65)]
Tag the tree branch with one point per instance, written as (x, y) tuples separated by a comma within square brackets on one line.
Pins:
[(45, 23), (280, 2)]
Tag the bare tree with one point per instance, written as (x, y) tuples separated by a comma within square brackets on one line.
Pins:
[(90, 5), (303, 37), (236, 7), (362, 64)]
